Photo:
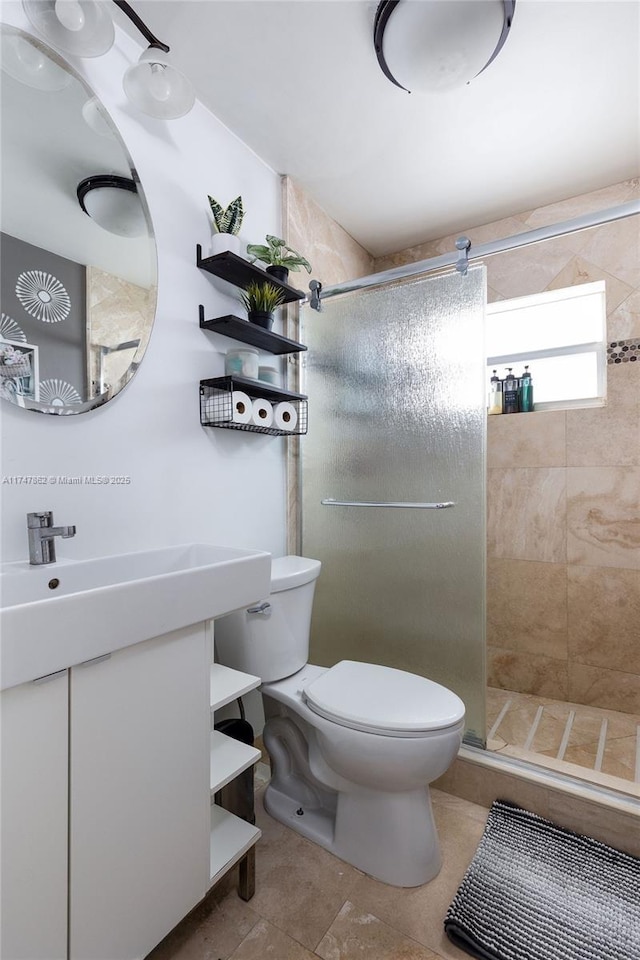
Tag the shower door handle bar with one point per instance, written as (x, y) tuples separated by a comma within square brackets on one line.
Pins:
[(330, 502)]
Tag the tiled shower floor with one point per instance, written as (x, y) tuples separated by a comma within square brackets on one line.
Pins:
[(601, 746)]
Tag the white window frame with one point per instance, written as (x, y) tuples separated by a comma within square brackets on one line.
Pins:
[(599, 347)]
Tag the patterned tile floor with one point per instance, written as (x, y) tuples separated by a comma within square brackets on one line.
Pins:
[(601, 746), (310, 905)]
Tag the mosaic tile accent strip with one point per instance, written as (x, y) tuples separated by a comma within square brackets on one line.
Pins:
[(623, 351)]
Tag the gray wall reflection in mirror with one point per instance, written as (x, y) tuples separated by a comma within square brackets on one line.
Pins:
[(77, 300)]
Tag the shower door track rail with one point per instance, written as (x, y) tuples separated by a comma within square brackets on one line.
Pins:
[(444, 505), (597, 219)]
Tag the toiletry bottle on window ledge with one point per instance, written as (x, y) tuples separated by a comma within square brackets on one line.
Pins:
[(510, 392), (526, 392), (495, 394)]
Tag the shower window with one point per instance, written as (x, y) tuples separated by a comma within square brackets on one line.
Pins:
[(560, 335)]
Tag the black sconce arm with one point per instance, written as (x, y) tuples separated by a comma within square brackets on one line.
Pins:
[(142, 27)]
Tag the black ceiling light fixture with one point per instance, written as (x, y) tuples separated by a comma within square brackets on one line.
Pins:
[(114, 204), (436, 45), (84, 28)]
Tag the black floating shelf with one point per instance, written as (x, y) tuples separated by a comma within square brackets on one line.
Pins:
[(251, 333), (234, 269)]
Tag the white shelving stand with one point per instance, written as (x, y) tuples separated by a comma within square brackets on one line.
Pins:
[(228, 759), (228, 685), (231, 837)]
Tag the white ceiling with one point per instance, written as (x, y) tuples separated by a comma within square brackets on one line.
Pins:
[(557, 113)]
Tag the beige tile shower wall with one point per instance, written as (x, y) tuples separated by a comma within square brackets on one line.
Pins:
[(333, 253), (563, 487)]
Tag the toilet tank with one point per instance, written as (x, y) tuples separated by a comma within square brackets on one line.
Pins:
[(273, 643)]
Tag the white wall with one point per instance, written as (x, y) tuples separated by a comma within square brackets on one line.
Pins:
[(188, 483)]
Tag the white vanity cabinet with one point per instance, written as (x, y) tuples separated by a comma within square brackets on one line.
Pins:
[(105, 802), (139, 794), (108, 760), (33, 819), (109, 831)]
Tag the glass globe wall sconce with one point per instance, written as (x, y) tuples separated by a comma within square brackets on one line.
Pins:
[(84, 28)]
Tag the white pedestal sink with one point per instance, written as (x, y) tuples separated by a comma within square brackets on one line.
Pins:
[(60, 614)]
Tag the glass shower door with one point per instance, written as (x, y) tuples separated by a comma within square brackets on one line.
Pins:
[(395, 377)]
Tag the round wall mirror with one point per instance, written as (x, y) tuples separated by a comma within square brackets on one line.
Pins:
[(77, 254)]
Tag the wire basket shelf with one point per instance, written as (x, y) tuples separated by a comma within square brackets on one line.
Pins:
[(217, 407)]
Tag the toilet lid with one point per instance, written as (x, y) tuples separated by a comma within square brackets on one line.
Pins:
[(367, 696)]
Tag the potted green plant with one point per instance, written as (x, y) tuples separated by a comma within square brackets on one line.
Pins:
[(227, 222), (260, 300), (279, 257)]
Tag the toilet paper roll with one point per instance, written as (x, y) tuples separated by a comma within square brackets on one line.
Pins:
[(242, 407), (285, 416), (262, 413)]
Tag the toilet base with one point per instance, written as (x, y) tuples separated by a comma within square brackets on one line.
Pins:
[(390, 835), (314, 824), (406, 851)]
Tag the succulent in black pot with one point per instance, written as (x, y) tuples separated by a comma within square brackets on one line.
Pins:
[(260, 301)]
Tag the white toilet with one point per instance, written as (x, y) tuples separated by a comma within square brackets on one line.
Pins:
[(353, 747)]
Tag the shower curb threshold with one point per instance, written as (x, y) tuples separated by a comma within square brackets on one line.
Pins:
[(551, 779)]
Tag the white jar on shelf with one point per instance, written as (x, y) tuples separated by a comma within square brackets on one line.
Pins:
[(270, 374), (243, 362)]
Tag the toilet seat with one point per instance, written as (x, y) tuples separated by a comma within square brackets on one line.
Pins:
[(382, 700)]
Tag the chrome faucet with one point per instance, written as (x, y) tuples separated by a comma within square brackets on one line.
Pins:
[(42, 548)]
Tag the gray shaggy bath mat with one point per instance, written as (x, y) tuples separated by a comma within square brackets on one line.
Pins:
[(535, 891)]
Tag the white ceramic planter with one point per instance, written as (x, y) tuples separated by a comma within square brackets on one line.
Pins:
[(221, 242)]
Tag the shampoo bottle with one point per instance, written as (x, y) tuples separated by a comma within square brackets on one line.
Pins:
[(526, 392), (495, 394), (510, 394)]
